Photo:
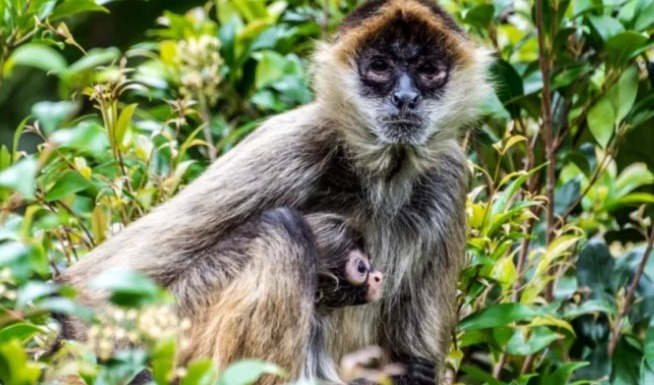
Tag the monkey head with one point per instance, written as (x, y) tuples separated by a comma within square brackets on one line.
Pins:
[(353, 283), (411, 76), (345, 274), (365, 282)]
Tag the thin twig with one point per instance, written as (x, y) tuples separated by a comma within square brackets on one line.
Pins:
[(497, 369), (526, 365), (520, 266), (325, 19), (598, 171), (88, 242), (615, 335), (206, 128), (548, 135)]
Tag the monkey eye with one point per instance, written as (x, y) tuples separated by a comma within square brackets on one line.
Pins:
[(428, 69), (379, 65), (361, 267)]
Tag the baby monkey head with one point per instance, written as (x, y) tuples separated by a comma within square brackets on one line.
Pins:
[(345, 274)]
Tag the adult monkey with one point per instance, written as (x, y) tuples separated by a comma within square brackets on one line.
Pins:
[(377, 146)]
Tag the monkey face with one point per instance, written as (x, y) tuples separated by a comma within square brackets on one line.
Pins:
[(355, 282), (403, 73), (360, 274)]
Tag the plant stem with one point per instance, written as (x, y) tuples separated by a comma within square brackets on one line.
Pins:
[(497, 369), (206, 128), (547, 129), (325, 21), (615, 335)]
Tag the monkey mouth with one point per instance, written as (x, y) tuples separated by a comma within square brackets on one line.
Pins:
[(404, 132), (406, 121)]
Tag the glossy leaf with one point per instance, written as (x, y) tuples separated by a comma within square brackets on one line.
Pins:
[(70, 182), (69, 8), (127, 287), (21, 177), (498, 315), (15, 368), (20, 332), (247, 372)]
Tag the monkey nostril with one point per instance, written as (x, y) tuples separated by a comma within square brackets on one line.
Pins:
[(395, 99), (405, 99)]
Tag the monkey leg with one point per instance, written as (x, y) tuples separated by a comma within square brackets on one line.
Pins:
[(266, 311)]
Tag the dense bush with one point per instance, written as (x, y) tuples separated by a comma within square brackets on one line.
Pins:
[(559, 288)]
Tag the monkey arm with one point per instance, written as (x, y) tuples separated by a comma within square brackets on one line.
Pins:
[(267, 313), (273, 167)]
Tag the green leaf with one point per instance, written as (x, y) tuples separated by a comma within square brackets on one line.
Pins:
[(127, 287), (88, 136), (622, 47), (594, 268), (601, 121), (5, 157), (94, 58), (648, 349), (498, 315), (509, 87), (609, 111), (247, 372), (634, 176), (539, 339), (200, 372), (605, 26), (481, 375), (645, 17), (52, 114), (21, 177), (12, 251), (69, 183), (38, 56), (66, 306), (73, 7), (480, 16), (34, 290), (17, 134), (626, 363), (15, 369), (123, 122), (646, 373), (623, 94), (21, 332), (562, 373), (163, 361), (269, 69), (631, 199)]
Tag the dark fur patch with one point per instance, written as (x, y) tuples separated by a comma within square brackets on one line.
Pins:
[(339, 188), (370, 8)]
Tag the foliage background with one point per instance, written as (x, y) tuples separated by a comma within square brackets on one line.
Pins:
[(109, 108)]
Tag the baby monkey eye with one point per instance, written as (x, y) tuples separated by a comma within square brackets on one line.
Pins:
[(361, 267)]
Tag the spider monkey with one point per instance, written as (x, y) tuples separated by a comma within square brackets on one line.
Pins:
[(394, 87)]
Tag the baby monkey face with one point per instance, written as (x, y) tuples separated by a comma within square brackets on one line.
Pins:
[(351, 281), (360, 273)]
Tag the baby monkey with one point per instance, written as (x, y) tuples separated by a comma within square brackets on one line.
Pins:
[(345, 274)]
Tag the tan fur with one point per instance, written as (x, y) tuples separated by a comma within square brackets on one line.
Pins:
[(240, 325)]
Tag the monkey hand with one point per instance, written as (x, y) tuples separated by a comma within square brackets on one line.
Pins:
[(417, 371), (369, 366)]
